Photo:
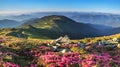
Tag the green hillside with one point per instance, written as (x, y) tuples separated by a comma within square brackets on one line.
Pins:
[(54, 26)]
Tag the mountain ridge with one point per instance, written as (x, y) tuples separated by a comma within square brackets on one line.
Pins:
[(54, 26), (107, 19), (6, 23)]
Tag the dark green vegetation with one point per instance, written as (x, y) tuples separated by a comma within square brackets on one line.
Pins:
[(54, 26)]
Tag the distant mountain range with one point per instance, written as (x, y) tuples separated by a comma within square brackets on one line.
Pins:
[(54, 24), (9, 23), (84, 17)]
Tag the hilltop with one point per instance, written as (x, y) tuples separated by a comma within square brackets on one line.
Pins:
[(54, 26)]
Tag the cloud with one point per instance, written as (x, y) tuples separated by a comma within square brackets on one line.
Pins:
[(12, 12)]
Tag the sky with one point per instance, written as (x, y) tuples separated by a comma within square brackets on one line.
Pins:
[(27, 6)]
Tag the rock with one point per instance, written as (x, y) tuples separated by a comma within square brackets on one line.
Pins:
[(106, 43), (88, 47), (65, 50), (89, 44), (101, 43), (115, 39), (65, 40), (58, 44), (113, 46), (110, 47), (59, 38), (56, 41), (81, 45), (48, 44), (118, 45), (62, 40), (55, 47)]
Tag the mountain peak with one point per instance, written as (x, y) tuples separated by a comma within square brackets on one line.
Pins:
[(58, 26), (57, 18), (48, 21)]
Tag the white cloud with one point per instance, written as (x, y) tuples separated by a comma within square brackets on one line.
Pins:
[(12, 12), (18, 12)]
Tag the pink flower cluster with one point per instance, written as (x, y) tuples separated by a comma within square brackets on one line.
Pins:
[(2, 40), (71, 59), (67, 59), (8, 64), (36, 52), (102, 60), (46, 57), (5, 63)]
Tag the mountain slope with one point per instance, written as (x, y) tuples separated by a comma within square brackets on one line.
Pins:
[(84, 17), (107, 19), (8, 23), (55, 25), (113, 31)]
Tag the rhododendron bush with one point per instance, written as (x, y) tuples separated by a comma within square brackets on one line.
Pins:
[(75, 59), (79, 57), (44, 55), (6, 63)]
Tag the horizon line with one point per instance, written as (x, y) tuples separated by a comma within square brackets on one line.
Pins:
[(4, 13)]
